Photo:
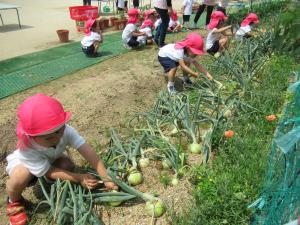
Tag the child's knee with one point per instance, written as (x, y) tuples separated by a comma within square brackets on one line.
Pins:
[(19, 177)]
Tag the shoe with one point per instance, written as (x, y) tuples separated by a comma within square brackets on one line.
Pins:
[(16, 213), (172, 90), (127, 46)]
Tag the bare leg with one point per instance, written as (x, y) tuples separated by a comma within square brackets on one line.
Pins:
[(171, 74), (96, 46), (18, 180), (223, 43)]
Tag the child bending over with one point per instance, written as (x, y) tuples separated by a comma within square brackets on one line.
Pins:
[(130, 33), (43, 135), (92, 39), (246, 26), (174, 24), (182, 53), (216, 41)]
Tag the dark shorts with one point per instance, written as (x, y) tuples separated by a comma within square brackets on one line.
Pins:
[(167, 63), (214, 49), (89, 51), (186, 18), (133, 42)]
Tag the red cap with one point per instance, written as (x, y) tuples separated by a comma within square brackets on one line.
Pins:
[(149, 12), (216, 17), (88, 26), (251, 18), (39, 115), (147, 23), (194, 42), (133, 12)]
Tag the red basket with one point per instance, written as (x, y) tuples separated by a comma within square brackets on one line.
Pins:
[(81, 13)]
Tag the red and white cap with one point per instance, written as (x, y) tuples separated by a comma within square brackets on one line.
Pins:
[(216, 17), (251, 18), (194, 42), (39, 115)]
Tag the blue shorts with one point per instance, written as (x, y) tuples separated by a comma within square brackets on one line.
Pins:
[(89, 51), (167, 63)]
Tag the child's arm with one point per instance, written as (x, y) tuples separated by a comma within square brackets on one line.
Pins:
[(187, 69), (222, 29), (86, 180), (202, 70), (176, 28), (90, 155), (138, 33)]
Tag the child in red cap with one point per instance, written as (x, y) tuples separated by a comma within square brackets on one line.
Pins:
[(182, 53), (92, 39), (174, 24), (43, 135), (216, 41), (146, 28), (130, 32), (246, 26)]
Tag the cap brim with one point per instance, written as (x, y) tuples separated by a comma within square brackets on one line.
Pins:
[(213, 23), (196, 51)]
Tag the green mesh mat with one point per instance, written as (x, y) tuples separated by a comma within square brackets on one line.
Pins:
[(279, 202), (20, 73)]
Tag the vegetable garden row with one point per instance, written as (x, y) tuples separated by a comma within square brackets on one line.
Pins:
[(223, 122)]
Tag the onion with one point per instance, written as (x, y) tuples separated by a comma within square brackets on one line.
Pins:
[(135, 178), (175, 181), (174, 131), (166, 164), (144, 162), (114, 204), (227, 113), (155, 208), (195, 148)]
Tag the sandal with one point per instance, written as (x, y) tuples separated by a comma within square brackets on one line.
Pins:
[(16, 213)]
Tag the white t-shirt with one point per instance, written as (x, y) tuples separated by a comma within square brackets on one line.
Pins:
[(188, 6), (211, 38), (161, 4), (89, 40), (242, 31), (127, 32), (38, 159), (173, 23), (157, 23), (143, 39), (173, 53)]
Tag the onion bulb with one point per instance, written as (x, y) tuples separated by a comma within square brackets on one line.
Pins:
[(175, 181), (227, 113), (155, 208), (195, 148), (144, 162), (166, 164), (135, 178), (174, 131), (114, 204)]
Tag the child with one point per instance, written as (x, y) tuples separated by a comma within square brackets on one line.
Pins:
[(246, 26), (130, 33), (182, 53), (147, 29), (215, 41), (174, 24), (43, 134), (150, 14), (187, 9), (92, 39)]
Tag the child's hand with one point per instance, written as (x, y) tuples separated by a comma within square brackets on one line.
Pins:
[(209, 76), (110, 185), (195, 75), (88, 181)]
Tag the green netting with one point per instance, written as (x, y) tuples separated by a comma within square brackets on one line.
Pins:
[(279, 202), (26, 71)]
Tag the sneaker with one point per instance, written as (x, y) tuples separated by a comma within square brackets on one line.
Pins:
[(127, 46), (172, 90), (16, 213)]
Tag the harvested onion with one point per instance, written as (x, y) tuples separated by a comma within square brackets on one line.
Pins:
[(135, 178), (155, 208), (175, 181), (166, 164), (227, 113), (144, 162)]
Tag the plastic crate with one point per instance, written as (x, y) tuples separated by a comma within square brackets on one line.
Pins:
[(82, 13)]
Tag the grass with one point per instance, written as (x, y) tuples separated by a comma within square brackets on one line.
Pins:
[(225, 188)]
